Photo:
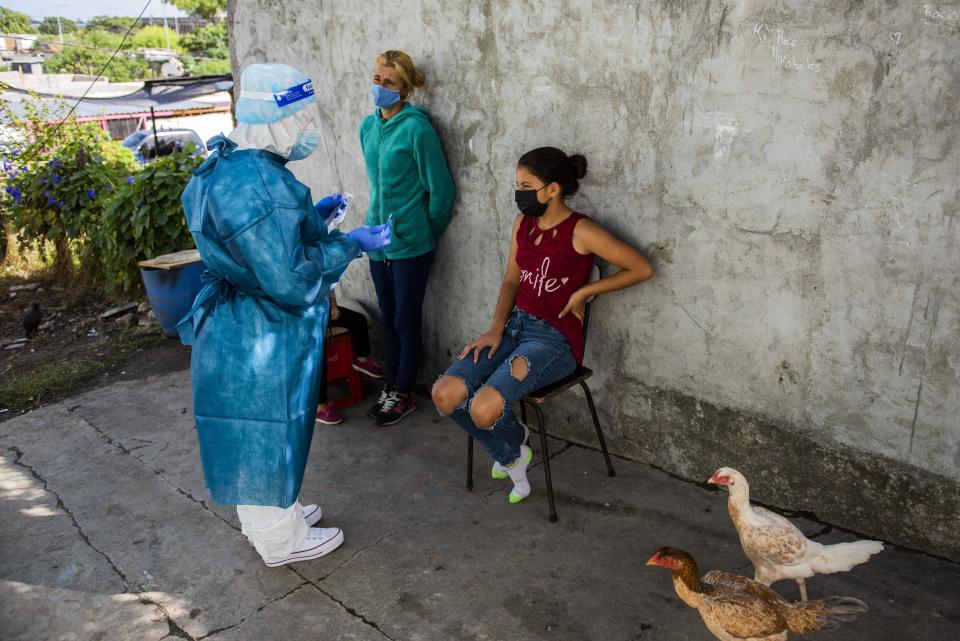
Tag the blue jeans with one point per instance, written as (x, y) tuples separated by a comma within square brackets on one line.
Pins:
[(401, 286), (549, 359)]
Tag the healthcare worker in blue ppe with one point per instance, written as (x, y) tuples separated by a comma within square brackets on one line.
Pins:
[(257, 327)]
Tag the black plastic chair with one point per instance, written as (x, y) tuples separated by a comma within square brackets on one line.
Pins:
[(537, 399)]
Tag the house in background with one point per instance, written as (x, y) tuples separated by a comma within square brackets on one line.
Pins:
[(201, 104)]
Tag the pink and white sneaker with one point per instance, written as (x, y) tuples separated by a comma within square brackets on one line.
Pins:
[(327, 416), (369, 367)]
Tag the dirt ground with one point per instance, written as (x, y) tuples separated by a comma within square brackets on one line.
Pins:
[(75, 349)]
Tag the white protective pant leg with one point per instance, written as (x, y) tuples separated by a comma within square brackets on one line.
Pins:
[(273, 531)]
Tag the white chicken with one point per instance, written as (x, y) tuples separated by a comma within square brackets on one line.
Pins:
[(777, 548)]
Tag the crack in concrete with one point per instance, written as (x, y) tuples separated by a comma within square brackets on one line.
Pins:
[(254, 613), (18, 461), (129, 586), (351, 611), (175, 630), (553, 455), (130, 452), (383, 537)]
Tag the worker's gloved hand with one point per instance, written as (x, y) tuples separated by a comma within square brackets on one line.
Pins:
[(371, 238), (330, 205)]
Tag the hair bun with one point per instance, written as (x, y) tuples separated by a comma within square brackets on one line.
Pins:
[(579, 164)]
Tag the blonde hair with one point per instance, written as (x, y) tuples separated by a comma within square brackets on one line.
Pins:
[(402, 63)]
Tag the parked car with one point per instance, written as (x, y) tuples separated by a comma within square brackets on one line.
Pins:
[(143, 144)]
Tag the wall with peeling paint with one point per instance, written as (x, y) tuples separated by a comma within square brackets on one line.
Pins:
[(789, 167)]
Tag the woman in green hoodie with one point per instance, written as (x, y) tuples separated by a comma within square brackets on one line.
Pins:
[(410, 185)]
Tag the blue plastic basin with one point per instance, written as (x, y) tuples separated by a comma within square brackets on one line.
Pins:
[(171, 293)]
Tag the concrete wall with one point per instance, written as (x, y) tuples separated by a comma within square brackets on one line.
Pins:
[(789, 167)]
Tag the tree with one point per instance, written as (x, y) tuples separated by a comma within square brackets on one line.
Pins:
[(155, 37), (208, 51), (13, 21), (93, 54), (208, 9), (115, 24), (49, 25)]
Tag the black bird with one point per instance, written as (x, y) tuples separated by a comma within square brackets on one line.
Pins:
[(32, 320)]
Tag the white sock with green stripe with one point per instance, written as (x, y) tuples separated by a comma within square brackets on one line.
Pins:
[(518, 474), (500, 472)]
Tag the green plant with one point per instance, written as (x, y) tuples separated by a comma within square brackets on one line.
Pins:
[(145, 218), (56, 187), (90, 50), (116, 24), (51, 26), (208, 51), (13, 21), (209, 9), (155, 37)]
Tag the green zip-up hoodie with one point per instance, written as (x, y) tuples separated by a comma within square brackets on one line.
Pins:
[(409, 181)]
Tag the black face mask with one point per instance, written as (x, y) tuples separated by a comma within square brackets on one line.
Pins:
[(528, 204)]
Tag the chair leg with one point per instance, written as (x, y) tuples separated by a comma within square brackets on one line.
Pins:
[(596, 424), (469, 463), (545, 453)]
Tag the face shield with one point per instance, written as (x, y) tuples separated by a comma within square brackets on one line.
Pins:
[(285, 122)]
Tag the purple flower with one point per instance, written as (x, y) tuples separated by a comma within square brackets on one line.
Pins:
[(91, 194), (16, 152), (129, 180), (55, 163), (51, 200), (11, 175), (59, 204), (7, 165), (43, 181), (56, 180)]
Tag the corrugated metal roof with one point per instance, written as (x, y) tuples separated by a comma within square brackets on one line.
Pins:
[(174, 95)]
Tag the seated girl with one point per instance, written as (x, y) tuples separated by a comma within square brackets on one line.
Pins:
[(536, 336)]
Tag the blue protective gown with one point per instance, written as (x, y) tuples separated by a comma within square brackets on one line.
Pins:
[(257, 326)]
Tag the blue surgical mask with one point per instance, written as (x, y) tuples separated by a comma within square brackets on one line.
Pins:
[(307, 143), (383, 97)]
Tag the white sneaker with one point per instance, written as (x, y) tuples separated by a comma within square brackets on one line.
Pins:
[(311, 514), (320, 541), (499, 471)]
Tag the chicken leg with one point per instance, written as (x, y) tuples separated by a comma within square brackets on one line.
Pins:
[(803, 589)]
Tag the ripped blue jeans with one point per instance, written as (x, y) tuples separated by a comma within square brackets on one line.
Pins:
[(548, 357)]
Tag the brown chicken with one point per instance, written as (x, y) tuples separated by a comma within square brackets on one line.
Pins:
[(777, 547), (735, 608)]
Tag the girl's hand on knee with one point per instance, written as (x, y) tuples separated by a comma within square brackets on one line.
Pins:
[(491, 338)]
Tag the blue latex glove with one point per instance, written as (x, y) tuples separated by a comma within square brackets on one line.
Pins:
[(328, 205), (372, 238)]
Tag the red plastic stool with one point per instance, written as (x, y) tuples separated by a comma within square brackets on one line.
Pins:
[(338, 350)]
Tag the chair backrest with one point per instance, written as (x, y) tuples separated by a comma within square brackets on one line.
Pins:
[(595, 275)]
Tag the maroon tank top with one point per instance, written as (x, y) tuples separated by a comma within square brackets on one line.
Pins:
[(550, 271)]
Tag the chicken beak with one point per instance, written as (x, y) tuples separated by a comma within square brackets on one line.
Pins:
[(720, 479), (654, 560)]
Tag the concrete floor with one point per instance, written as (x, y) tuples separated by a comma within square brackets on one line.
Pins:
[(107, 534)]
